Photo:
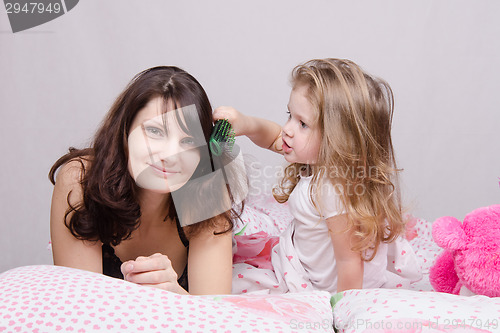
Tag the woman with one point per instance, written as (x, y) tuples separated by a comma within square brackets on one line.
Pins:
[(113, 209)]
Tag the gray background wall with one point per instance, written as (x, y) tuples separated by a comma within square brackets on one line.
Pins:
[(442, 59)]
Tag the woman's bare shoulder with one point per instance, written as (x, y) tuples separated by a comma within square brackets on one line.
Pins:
[(72, 172)]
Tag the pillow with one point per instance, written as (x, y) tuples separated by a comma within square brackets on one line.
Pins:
[(53, 299), (386, 310)]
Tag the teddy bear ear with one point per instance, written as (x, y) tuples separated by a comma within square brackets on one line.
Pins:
[(448, 233)]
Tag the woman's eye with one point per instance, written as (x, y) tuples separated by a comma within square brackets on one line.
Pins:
[(189, 141), (289, 114), (154, 132), (302, 124)]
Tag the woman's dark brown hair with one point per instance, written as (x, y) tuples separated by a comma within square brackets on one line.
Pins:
[(110, 211)]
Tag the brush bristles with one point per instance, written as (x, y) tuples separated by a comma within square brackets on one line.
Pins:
[(222, 137)]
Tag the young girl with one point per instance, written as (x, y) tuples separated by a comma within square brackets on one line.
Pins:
[(128, 206), (341, 185)]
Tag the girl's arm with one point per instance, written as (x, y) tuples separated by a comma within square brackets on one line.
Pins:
[(349, 263), (66, 249), (264, 133)]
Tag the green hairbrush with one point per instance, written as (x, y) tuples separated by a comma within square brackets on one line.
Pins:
[(222, 137)]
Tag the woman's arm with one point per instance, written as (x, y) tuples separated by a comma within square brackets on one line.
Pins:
[(209, 267), (349, 263), (210, 263), (66, 249), (264, 133)]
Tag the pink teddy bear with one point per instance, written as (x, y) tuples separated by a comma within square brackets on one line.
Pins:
[(470, 263)]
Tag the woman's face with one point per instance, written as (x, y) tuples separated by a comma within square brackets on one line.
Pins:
[(161, 156)]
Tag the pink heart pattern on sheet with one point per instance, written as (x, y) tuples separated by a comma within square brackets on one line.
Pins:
[(57, 299), (389, 311)]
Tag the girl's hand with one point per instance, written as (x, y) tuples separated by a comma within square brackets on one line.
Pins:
[(263, 133), (237, 119), (154, 271)]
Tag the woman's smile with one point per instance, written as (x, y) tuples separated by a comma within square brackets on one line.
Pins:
[(162, 171)]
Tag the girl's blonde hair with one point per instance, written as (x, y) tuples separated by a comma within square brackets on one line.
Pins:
[(354, 115)]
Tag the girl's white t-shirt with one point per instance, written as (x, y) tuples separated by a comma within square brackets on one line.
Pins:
[(313, 244), (304, 259)]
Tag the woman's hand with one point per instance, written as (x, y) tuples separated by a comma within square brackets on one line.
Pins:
[(237, 119), (154, 271)]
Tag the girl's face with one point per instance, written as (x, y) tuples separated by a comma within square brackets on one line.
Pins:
[(301, 135), (161, 156)]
